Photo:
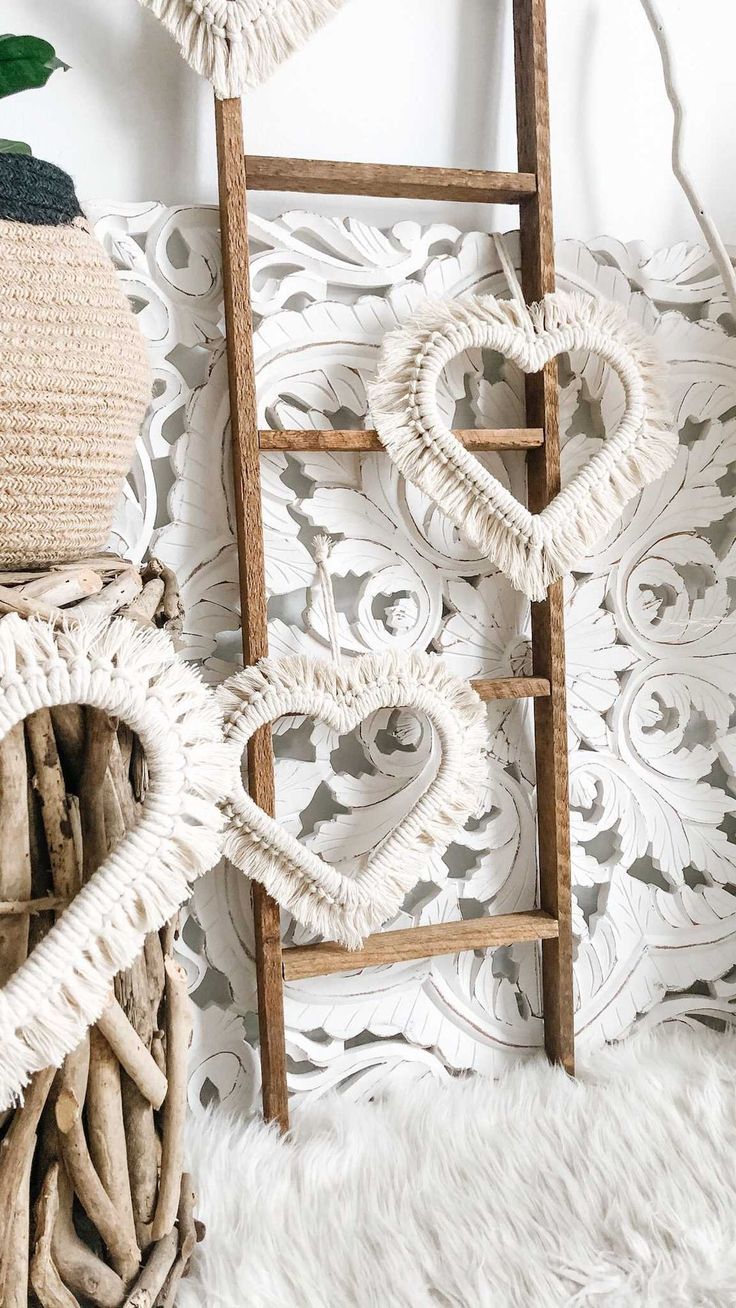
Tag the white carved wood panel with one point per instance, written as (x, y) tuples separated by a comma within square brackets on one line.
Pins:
[(651, 641)]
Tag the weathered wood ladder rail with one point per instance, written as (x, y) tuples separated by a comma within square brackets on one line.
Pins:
[(530, 189)]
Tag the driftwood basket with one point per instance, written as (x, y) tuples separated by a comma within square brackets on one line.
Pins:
[(94, 1206)]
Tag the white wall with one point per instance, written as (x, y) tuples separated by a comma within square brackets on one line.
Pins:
[(421, 81)]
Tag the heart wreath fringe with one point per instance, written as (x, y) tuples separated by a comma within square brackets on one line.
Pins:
[(532, 549), (239, 43), (133, 674), (337, 906)]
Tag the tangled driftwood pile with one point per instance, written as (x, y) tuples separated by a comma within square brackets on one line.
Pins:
[(94, 1206)]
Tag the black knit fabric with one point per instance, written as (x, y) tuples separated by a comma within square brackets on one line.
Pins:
[(33, 191)]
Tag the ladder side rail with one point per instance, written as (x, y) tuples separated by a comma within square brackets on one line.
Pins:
[(543, 474), (251, 565)]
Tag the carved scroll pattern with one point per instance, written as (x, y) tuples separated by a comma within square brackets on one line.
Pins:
[(650, 630)]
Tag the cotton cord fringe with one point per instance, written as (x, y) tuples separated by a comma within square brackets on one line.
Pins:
[(133, 674), (533, 550), (239, 43), (337, 906)]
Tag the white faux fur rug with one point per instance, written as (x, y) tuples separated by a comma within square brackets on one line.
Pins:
[(615, 1190)]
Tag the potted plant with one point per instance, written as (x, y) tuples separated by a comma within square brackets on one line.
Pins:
[(25, 62), (74, 375)]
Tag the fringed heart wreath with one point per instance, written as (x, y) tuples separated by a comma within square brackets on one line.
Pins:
[(239, 43), (132, 674), (342, 695), (532, 549)]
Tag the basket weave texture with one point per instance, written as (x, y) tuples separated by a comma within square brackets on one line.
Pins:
[(74, 386)]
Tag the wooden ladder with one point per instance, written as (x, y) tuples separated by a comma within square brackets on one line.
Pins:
[(530, 189)]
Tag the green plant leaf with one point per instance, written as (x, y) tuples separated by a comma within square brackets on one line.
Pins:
[(25, 62), (14, 147)]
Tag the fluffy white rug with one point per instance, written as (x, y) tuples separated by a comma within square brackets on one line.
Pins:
[(613, 1191)]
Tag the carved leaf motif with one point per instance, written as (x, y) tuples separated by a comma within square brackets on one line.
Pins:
[(651, 639)]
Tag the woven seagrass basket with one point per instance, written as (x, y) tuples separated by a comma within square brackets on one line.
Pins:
[(74, 377)]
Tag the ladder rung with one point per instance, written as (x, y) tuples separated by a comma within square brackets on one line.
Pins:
[(330, 177), (384, 947), (510, 438), (511, 687)]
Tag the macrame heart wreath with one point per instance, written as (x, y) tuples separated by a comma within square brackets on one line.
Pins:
[(532, 549), (341, 695), (132, 674), (239, 43)]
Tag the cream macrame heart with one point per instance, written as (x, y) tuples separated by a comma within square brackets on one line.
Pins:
[(239, 43), (532, 549), (337, 906), (132, 674)]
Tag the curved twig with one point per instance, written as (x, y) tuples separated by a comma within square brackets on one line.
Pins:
[(707, 226)]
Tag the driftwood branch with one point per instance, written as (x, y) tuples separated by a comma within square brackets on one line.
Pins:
[(132, 1054), (49, 783), (113, 597), (147, 1288), (30, 907), (106, 1131), (187, 1229), (15, 1149), (178, 1036), (45, 1278), (15, 848), (682, 173), (80, 1269), (62, 588), (146, 604), (99, 731), (18, 1247), (74, 1149), (80, 1159), (12, 602)]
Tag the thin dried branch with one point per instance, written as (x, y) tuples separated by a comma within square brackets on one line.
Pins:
[(132, 1053), (147, 1288), (155, 974), (106, 1130), (80, 1269), (49, 782), (15, 848), (88, 1187), (158, 1053), (171, 605), (113, 597), (139, 991), (144, 1157), (119, 771), (16, 1146), (45, 1279), (188, 1236), (107, 565), (30, 907), (17, 1267), (98, 737), (138, 771), (62, 588), (112, 809), (12, 602), (68, 721), (147, 603), (679, 167), (178, 1036)]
